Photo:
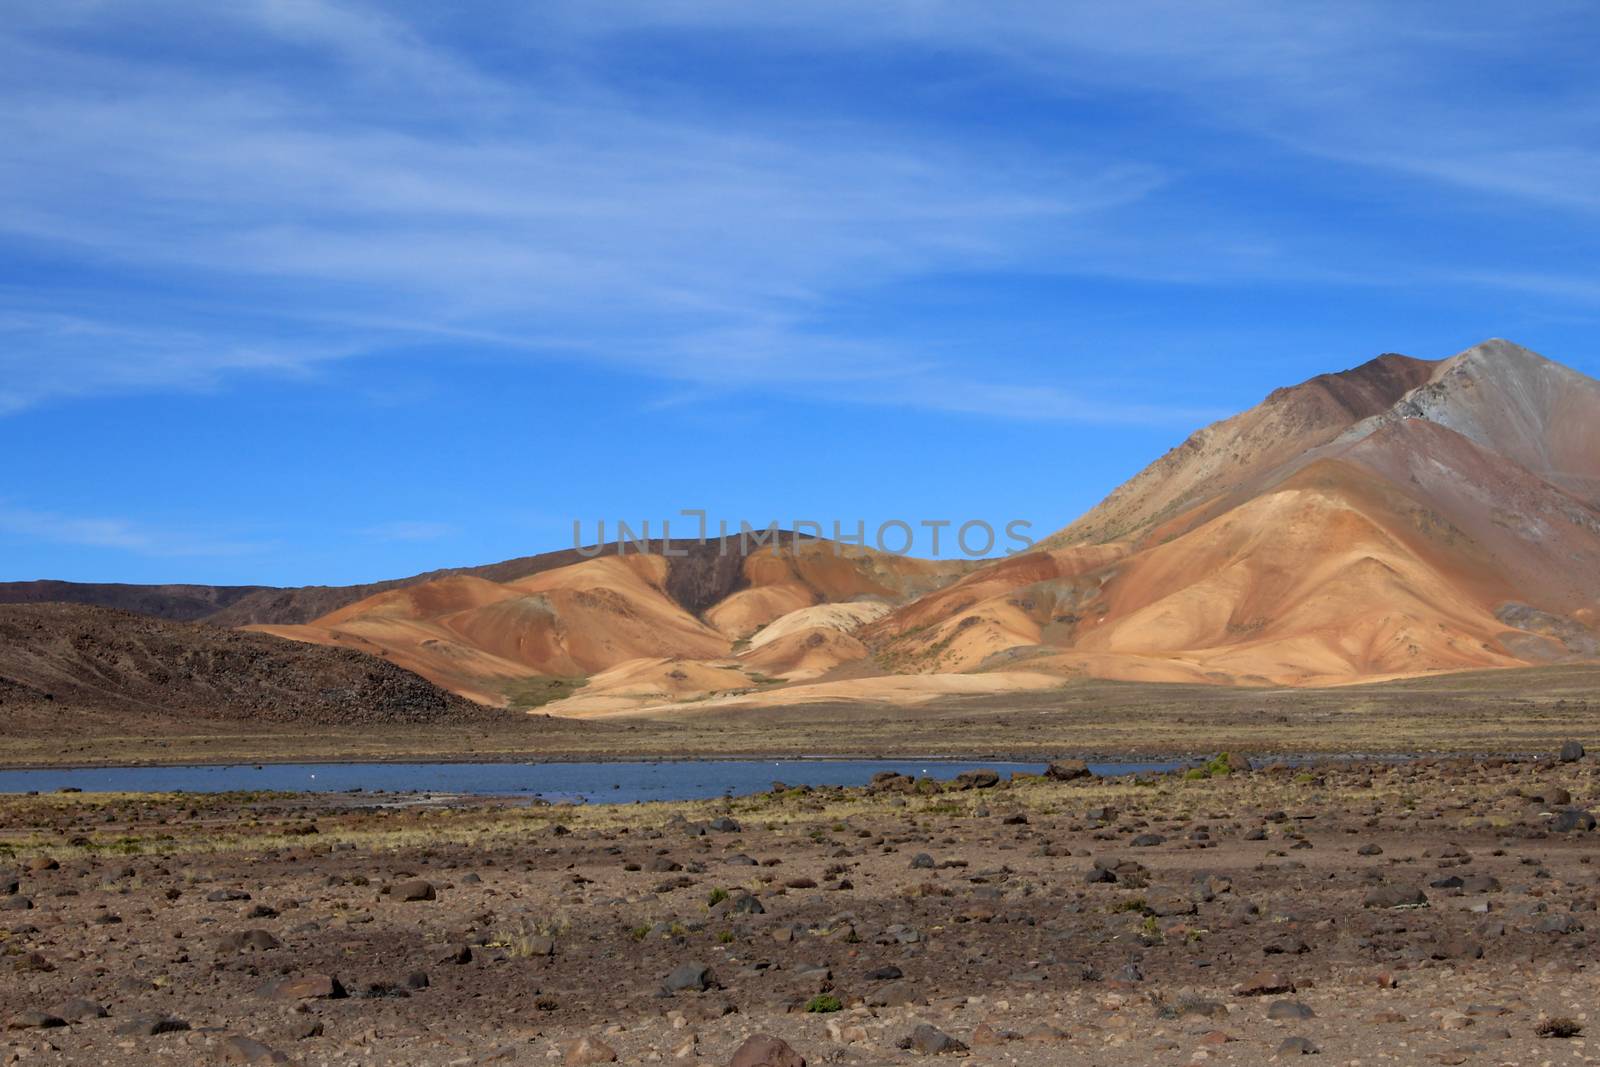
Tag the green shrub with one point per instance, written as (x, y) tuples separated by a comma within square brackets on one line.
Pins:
[(823, 1003)]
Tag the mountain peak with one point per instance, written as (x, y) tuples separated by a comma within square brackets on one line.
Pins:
[(1220, 457), (1514, 402), (1499, 357)]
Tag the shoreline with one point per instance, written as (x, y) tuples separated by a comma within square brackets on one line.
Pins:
[(612, 759)]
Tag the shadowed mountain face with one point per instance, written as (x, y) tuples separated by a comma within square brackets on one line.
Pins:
[(1402, 518), (180, 603), (59, 661)]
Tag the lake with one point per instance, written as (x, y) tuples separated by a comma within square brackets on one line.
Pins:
[(609, 783)]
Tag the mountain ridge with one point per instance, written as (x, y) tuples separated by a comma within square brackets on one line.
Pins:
[(1399, 518)]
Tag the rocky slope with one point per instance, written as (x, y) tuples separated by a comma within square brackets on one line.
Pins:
[(59, 661)]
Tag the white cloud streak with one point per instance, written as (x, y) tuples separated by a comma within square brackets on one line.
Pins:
[(124, 535), (366, 185)]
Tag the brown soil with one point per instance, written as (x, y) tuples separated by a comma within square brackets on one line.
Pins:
[(1417, 914)]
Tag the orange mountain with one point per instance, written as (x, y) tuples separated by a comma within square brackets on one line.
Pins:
[(1404, 517), (1401, 518), (621, 624)]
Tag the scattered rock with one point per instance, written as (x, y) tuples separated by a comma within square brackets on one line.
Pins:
[(980, 779), (305, 987), (931, 1041), (149, 1026), (1573, 820), (1394, 896), (1265, 983), (1289, 1009), (1068, 770), (77, 1009), (416, 889), (587, 1051), (1297, 1046), (241, 1049), (764, 1050), (248, 940), (689, 977)]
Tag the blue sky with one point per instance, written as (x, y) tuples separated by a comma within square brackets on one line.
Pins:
[(301, 291)]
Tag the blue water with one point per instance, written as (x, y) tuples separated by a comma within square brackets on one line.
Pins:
[(609, 783)]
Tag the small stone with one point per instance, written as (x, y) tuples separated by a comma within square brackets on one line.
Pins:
[(305, 987), (1559, 1028), (1394, 896), (985, 1035), (931, 1041), (241, 1049), (980, 779), (764, 1050), (149, 1026), (1573, 820), (1564, 923), (1289, 1009), (1265, 983), (248, 940), (691, 977), (587, 1051), (77, 1009), (1068, 770), (416, 889)]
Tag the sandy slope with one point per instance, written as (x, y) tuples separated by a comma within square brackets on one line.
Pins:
[(648, 682), (899, 689), (822, 573), (803, 654), (845, 618), (588, 619)]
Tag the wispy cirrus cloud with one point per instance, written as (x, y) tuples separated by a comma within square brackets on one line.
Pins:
[(120, 534), (410, 530), (290, 183), (403, 186), (1441, 91)]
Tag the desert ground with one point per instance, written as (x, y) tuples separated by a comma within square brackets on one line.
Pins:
[(1486, 712), (1435, 911)]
